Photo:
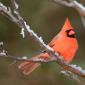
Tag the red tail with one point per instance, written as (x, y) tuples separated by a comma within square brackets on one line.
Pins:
[(28, 67)]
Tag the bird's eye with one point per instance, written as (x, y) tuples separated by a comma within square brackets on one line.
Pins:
[(70, 33)]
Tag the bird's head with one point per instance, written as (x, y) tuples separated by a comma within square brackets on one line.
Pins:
[(68, 29)]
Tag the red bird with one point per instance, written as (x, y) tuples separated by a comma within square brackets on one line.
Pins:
[(64, 43)]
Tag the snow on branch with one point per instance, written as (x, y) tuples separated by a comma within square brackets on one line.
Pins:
[(72, 76), (64, 3), (15, 16), (74, 4)]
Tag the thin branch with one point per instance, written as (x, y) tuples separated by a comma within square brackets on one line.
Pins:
[(76, 5), (6, 11), (64, 3), (83, 20), (72, 76), (72, 3), (3, 53), (79, 7)]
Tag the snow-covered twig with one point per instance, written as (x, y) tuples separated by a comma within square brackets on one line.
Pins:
[(72, 3), (76, 5), (72, 76), (64, 3)]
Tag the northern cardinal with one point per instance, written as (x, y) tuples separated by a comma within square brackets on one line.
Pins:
[(63, 43)]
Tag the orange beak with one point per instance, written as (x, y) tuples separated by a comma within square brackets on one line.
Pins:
[(71, 32)]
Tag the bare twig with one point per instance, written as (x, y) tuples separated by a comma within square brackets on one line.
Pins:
[(64, 3), (83, 20), (7, 12), (72, 76), (76, 5), (79, 7), (72, 3)]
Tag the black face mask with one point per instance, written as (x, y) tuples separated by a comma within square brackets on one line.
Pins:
[(71, 36)]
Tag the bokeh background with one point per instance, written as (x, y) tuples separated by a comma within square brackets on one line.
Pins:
[(46, 19)]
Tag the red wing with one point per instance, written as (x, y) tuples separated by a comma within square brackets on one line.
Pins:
[(52, 43)]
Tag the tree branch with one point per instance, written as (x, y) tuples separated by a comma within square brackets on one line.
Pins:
[(74, 4), (63, 3), (72, 76)]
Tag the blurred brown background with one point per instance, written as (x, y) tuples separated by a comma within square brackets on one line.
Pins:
[(46, 19)]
